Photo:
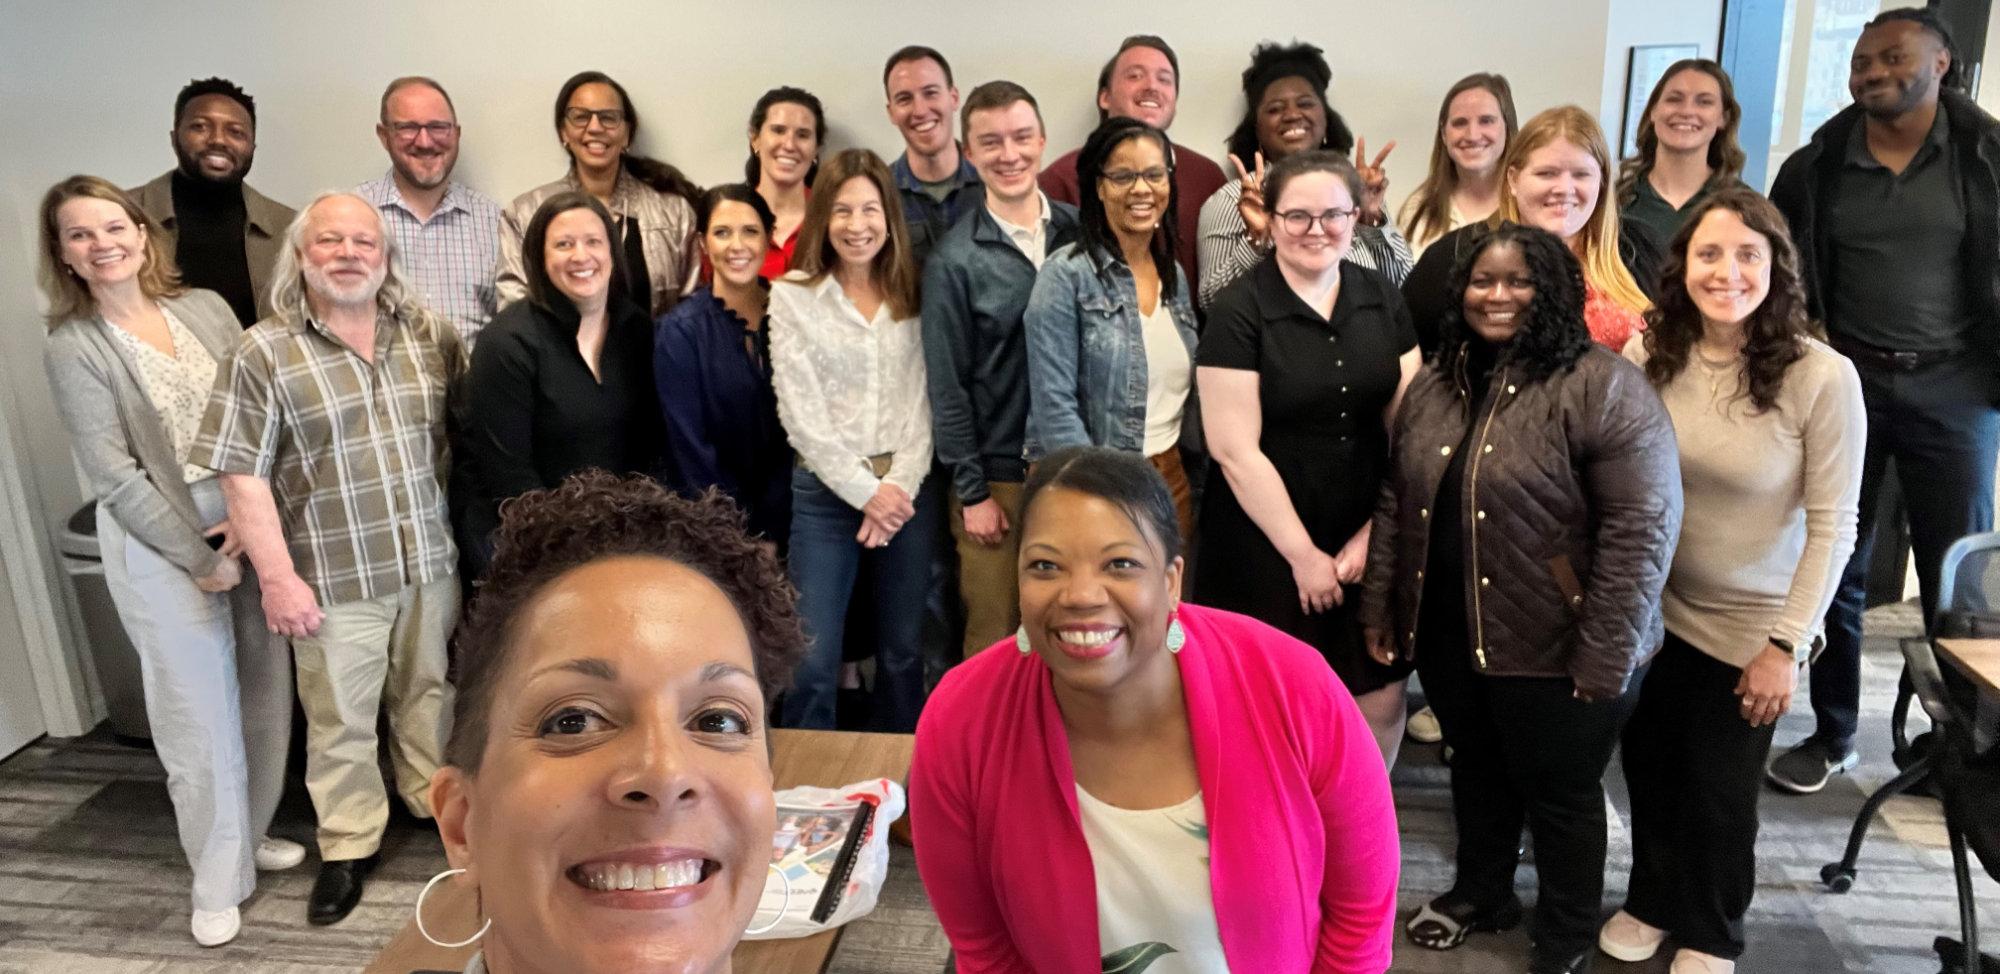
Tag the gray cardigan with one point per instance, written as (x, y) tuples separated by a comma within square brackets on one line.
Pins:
[(119, 439)]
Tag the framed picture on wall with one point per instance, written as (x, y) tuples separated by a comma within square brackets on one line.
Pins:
[(1649, 63)]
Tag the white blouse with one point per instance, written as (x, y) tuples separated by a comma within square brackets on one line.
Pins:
[(849, 388), (1153, 896), (177, 384)]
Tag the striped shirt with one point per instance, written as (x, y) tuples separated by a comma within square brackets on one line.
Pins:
[(355, 451), (453, 257), (1226, 251)]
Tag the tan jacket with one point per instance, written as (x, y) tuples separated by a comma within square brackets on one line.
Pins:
[(265, 221), (666, 223)]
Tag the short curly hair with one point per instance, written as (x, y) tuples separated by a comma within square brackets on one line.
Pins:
[(596, 515), (1553, 334)]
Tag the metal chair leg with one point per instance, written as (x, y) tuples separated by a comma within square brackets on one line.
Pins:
[(1968, 913), (1839, 876)]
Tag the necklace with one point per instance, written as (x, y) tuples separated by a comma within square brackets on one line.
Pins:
[(1716, 372)]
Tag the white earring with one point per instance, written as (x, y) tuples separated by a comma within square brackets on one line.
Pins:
[(786, 905), (467, 942)]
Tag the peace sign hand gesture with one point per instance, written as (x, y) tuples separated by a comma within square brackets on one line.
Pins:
[(1374, 180), (1250, 205)]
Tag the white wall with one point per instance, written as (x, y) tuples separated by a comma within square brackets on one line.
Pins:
[(90, 88), (1630, 23)]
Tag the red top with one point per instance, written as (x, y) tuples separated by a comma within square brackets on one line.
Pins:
[(1196, 178), (1302, 829), (1610, 323), (778, 259)]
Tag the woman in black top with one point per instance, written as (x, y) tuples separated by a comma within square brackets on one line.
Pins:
[(1304, 360), (562, 381)]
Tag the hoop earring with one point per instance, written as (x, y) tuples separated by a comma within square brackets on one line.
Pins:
[(1021, 641), (467, 942), (786, 905)]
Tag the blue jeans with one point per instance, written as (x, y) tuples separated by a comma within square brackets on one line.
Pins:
[(824, 562), (1940, 427)]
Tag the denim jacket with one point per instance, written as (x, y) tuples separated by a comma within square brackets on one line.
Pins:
[(1087, 354)]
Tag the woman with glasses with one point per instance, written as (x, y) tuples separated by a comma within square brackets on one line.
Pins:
[(652, 203), (1110, 323), (1301, 368)]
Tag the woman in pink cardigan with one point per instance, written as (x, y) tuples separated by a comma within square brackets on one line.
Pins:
[(1134, 784)]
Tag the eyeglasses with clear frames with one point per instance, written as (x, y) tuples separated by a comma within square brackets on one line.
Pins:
[(1298, 223), (1125, 178), (610, 118), (438, 131)]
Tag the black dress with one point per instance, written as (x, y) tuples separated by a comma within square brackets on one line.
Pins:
[(1322, 387)]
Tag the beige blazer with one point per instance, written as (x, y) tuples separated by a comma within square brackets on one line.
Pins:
[(264, 231)]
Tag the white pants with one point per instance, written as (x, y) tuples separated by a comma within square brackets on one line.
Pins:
[(219, 698)]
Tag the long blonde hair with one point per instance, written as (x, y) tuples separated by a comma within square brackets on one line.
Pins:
[(68, 296), (1426, 215), (1603, 269)]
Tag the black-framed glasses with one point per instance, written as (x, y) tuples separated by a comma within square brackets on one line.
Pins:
[(1298, 223), (438, 131), (611, 118), (1125, 178)]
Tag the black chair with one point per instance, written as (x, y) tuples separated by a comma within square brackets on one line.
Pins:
[(1949, 754)]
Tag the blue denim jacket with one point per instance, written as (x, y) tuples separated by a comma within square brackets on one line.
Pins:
[(1087, 353)]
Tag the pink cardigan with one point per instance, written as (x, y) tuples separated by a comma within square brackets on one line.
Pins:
[(1302, 829)]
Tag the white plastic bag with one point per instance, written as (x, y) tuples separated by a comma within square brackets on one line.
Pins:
[(813, 825)]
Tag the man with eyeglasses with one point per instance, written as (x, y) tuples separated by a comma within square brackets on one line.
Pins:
[(224, 235), (448, 232)]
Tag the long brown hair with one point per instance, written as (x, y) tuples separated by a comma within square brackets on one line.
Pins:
[(68, 296), (1725, 156), (1602, 267), (893, 268), (1426, 214), (1774, 334)]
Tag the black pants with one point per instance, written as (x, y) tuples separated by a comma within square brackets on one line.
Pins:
[(1695, 768), (1524, 748)]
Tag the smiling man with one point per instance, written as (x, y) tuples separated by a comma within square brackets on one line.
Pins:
[(223, 234), (1893, 205), (1142, 81), (449, 233), (937, 185)]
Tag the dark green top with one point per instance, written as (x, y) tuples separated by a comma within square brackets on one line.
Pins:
[(1660, 217)]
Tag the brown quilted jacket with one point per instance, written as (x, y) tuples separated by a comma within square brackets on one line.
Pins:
[(1572, 510)]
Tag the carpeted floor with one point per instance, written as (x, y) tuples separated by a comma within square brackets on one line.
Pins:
[(91, 879)]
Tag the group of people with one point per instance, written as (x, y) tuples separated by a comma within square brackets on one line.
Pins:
[(1593, 453)]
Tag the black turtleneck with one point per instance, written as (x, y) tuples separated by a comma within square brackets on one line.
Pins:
[(209, 223), (1441, 612)]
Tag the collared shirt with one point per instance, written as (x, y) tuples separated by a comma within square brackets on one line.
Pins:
[(928, 217), (354, 450), (1033, 241), (849, 387), (453, 257), (1661, 218), (1895, 246)]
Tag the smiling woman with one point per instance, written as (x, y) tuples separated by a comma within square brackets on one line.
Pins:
[(608, 779)]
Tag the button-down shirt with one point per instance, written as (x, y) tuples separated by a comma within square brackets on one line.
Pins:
[(849, 388), (1032, 241), (452, 257), (354, 450), (928, 218)]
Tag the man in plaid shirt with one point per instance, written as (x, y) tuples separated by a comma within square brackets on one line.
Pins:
[(327, 424)]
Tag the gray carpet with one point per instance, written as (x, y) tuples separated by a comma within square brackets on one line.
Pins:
[(91, 879)]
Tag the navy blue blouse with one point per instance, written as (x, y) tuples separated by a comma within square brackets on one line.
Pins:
[(713, 373)]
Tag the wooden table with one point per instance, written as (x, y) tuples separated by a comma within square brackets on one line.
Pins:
[(824, 758), (1979, 660)]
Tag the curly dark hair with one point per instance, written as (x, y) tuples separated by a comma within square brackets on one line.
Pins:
[(1271, 62), (596, 515), (1552, 333), (1774, 334)]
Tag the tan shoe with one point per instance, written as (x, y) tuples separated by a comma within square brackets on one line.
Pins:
[(1626, 938), (1695, 962)]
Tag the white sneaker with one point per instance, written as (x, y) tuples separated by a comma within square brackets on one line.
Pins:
[(1627, 938), (276, 854), (1695, 962), (213, 928), (1424, 728)]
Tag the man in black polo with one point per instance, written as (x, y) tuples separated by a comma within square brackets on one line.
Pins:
[(1894, 206)]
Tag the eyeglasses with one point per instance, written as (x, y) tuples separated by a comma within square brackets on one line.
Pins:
[(1298, 223), (1124, 178), (438, 131), (611, 118)]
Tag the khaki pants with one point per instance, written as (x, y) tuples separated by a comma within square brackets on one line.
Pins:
[(386, 653), (987, 579)]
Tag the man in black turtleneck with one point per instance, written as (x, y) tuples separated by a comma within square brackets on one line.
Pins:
[(224, 235)]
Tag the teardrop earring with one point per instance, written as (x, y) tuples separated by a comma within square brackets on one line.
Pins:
[(1021, 640), (1176, 636)]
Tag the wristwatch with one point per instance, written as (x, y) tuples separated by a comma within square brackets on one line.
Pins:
[(1799, 653)]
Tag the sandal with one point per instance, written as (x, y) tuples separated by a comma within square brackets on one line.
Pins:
[(1444, 923)]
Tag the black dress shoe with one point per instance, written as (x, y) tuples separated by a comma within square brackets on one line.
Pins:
[(338, 889)]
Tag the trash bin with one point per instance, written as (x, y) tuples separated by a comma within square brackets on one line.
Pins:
[(110, 649)]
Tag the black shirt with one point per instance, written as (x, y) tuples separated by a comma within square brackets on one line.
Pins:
[(1895, 241), (638, 277), (209, 222), (1441, 619)]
